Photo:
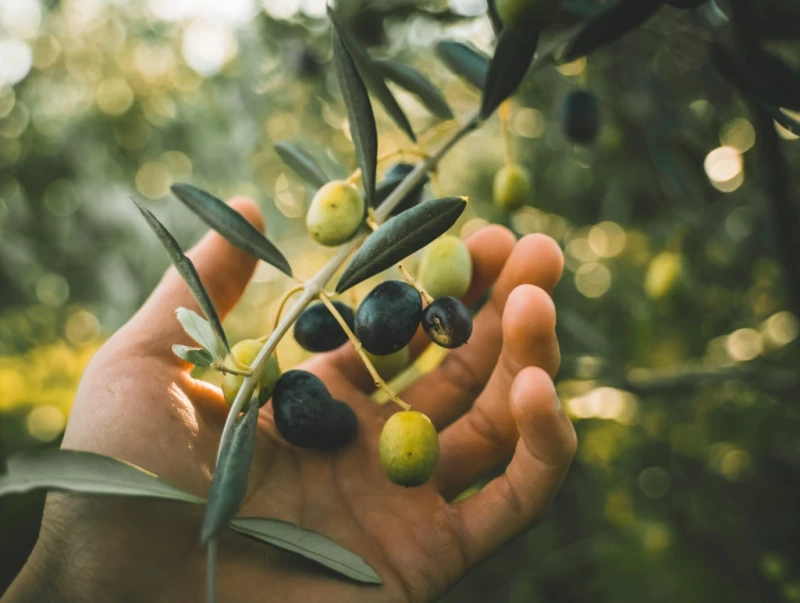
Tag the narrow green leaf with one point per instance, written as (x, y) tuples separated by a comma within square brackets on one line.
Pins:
[(511, 61), (197, 356), (610, 25), (309, 544), (494, 16), (86, 473), (400, 237), (230, 478), (359, 115), (417, 84), (372, 77), (199, 329), (188, 272), (465, 61), (302, 163), (232, 225)]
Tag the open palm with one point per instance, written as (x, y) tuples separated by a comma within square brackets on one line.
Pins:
[(491, 399)]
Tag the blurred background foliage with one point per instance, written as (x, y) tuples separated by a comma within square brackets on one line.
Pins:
[(680, 348)]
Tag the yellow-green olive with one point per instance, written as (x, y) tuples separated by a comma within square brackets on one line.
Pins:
[(512, 187), (245, 352), (335, 214), (446, 267), (662, 274), (409, 448)]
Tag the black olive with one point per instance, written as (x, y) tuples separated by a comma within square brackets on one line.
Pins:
[(388, 317), (447, 322), (316, 330)]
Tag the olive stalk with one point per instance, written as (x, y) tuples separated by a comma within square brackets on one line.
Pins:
[(415, 283), (222, 368), (379, 382)]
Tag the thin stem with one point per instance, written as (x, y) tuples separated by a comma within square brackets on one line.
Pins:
[(415, 283), (284, 299), (227, 369), (356, 175), (379, 382), (211, 571)]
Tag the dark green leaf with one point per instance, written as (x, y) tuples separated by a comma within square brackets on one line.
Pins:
[(465, 61), (372, 77), (400, 237), (199, 329), (188, 272), (309, 544), (359, 115), (419, 85), (197, 356), (610, 25), (302, 163), (232, 225), (510, 63), (494, 16), (230, 478), (84, 473)]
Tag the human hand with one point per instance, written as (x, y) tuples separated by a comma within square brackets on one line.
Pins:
[(490, 399)]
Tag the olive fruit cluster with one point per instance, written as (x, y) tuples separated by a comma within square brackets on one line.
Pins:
[(242, 355), (336, 213), (512, 187), (581, 116)]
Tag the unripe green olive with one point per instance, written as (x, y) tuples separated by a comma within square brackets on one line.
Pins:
[(408, 448), (390, 365), (446, 267), (527, 13), (245, 352), (662, 274), (335, 214), (512, 186)]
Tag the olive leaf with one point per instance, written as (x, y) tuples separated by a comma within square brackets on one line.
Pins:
[(230, 477), (610, 25), (197, 356), (302, 163), (494, 16), (511, 61), (359, 115), (86, 473), (83, 472), (417, 84), (231, 224), (311, 545), (372, 76), (199, 329), (465, 61), (400, 237), (188, 272)]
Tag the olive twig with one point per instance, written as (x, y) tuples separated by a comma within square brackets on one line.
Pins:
[(222, 368), (414, 152), (379, 382), (437, 130), (282, 304), (415, 283)]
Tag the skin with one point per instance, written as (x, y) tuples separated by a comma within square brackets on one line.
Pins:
[(491, 401)]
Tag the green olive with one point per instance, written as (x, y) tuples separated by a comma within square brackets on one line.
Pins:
[(512, 186), (662, 274), (390, 365), (446, 268), (527, 13), (335, 214), (245, 352), (409, 448)]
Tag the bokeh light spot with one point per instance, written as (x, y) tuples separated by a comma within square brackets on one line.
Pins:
[(45, 422), (592, 279)]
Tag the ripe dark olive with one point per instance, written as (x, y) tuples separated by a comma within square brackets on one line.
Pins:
[(388, 317), (306, 414), (447, 322), (394, 175), (581, 117), (318, 331)]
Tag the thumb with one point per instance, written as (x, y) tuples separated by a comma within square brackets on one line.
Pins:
[(224, 271)]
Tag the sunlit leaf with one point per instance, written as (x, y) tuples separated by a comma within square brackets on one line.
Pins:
[(197, 356), (417, 84), (188, 272), (372, 76), (400, 237), (232, 225), (302, 163), (359, 114), (610, 25), (230, 477), (199, 329), (510, 63), (465, 61), (309, 544)]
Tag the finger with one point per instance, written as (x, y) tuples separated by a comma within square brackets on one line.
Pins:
[(450, 390), (490, 248), (487, 433), (224, 270), (515, 501)]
